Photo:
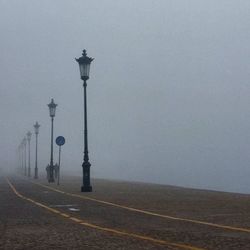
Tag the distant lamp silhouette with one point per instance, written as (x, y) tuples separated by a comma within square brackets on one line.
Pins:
[(52, 112), (36, 128), (28, 139)]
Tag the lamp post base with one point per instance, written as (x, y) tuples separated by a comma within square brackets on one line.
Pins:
[(50, 173), (36, 174), (86, 189)]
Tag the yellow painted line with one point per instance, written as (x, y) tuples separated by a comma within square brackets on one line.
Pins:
[(238, 229), (75, 219), (105, 229), (65, 215)]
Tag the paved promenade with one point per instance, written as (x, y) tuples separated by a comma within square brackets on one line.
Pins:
[(119, 215)]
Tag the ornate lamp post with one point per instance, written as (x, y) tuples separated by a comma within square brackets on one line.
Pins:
[(52, 112), (36, 128), (84, 65), (22, 158), (25, 162), (28, 139)]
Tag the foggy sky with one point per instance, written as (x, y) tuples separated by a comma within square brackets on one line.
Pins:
[(168, 94)]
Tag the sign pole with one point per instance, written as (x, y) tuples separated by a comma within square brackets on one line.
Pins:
[(60, 140), (59, 165)]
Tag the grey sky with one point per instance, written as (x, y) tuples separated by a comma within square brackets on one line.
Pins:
[(168, 94)]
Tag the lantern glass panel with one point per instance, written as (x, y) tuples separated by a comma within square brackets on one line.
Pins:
[(52, 108), (84, 70), (29, 136), (52, 111), (36, 128)]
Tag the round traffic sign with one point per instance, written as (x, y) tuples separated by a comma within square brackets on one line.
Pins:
[(60, 140)]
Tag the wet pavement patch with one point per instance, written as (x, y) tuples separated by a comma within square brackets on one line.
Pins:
[(74, 209)]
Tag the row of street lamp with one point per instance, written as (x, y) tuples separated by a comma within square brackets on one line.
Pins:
[(27, 139), (84, 65), (22, 149)]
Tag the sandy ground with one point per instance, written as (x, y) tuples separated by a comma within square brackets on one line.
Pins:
[(27, 226)]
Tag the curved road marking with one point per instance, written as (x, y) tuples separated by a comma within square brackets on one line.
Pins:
[(239, 229), (109, 230)]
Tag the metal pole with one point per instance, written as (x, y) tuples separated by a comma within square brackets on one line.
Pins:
[(36, 170), (59, 166), (22, 159), (25, 162), (86, 164), (29, 159), (51, 170), (19, 160), (86, 153)]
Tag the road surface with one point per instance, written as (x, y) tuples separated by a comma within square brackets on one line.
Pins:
[(119, 215)]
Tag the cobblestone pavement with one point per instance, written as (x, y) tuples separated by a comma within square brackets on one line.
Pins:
[(24, 224)]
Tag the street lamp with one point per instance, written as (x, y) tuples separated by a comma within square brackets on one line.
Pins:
[(22, 158), (84, 66), (28, 139), (36, 128), (52, 112), (25, 163)]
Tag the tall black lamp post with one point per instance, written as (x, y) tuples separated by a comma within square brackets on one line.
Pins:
[(28, 139), (22, 156), (52, 112), (25, 162), (36, 128), (84, 65)]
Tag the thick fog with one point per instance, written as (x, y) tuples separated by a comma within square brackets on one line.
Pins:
[(168, 94)]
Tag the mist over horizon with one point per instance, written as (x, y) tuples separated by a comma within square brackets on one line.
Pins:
[(168, 94)]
